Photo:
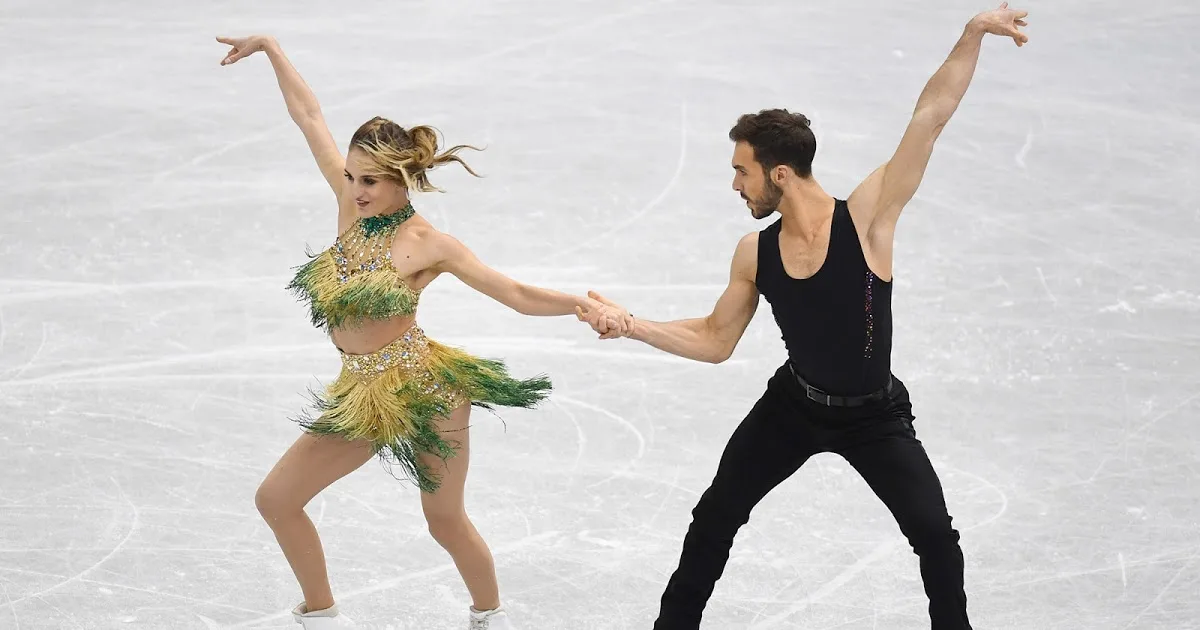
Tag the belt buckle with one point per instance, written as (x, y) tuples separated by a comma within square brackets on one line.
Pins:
[(809, 391), (815, 394)]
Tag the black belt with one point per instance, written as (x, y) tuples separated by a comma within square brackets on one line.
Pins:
[(823, 398)]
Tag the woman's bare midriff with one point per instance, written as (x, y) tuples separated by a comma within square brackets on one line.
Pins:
[(371, 335)]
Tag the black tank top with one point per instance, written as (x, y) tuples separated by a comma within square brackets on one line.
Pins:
[(836, 324)]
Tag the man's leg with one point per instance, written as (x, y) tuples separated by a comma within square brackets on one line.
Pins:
[(766, 448), (897, 468)]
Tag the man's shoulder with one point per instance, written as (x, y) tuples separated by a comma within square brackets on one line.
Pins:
[(745, 256), (748, 244)]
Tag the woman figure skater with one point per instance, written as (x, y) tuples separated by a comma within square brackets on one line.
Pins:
[(400, 395)]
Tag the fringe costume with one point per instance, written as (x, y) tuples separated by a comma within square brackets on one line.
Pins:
[(394, 396)]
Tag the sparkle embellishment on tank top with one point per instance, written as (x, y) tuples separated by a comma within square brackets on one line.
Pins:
[(870, 306)]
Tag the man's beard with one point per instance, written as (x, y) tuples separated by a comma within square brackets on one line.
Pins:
[(766, 205)]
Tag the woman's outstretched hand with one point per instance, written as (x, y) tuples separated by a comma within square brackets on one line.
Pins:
[(243, 47)]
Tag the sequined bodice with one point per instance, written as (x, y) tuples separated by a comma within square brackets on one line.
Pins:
[(358, 250), (354, 279)]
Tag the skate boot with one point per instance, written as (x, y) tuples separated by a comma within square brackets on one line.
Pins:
[(496, 619), (327, 619)]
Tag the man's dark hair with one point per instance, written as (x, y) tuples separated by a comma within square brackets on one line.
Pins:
[(778, 137)]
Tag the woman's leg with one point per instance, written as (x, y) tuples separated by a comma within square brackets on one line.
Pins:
[(446, 514), (308, 467)]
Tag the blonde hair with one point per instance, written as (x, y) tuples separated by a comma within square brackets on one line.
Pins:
[(405, 155)]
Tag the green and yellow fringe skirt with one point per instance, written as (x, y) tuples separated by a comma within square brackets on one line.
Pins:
[(395, 396)]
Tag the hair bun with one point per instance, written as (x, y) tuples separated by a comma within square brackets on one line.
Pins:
[(425, 141)]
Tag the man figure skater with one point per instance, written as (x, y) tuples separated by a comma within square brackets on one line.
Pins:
[(826, 268)]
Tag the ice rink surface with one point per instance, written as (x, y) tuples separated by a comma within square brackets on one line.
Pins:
[(1046, 307)]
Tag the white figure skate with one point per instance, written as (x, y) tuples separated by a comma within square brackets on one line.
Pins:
[(490, 620), (327, 619)]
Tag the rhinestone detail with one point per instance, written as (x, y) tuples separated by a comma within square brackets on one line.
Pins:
[(870, 315), (367, 245), (411, 355)]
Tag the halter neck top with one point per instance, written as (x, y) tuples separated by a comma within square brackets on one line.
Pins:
[(354, 279)]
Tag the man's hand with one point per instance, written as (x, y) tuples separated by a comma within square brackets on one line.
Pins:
[(1003, 21)]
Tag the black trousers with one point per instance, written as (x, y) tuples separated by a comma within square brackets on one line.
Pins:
[(780, 433)]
